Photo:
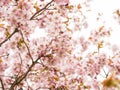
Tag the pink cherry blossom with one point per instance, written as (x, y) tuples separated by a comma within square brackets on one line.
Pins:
[(62, 2), (52, 58)]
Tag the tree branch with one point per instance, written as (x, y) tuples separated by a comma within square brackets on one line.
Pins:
[(2, 84), (27, 47), (43, 88), (20, 64), (41, 10), (19, 79), (16, 30)]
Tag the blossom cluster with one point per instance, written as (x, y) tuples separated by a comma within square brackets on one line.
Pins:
[(58, 60)]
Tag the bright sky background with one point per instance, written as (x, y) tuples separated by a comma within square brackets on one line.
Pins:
[(106, 8)]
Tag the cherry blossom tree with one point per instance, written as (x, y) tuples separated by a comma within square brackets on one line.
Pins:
[(57, 61)]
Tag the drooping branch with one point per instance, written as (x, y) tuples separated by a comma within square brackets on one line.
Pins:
[(16, 30), (2, 84), (41, 10)]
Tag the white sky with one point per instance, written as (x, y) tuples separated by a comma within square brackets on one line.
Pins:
[(104, 7), (107, 7)]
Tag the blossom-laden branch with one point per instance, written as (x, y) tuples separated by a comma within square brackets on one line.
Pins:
[(26, 46), (16, 30), (19, 79), (41, 10), (65, 62)]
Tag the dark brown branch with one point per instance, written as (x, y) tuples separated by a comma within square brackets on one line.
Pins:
[(41, 10), (16, 30), (2, 84), (43, 88), (5, 55), (106, 74), (19, 79)]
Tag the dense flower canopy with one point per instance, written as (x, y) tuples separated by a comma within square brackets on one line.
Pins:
[(64, 58)]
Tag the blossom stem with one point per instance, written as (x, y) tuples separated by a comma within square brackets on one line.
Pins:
[(2, 84), (16, 30), (41, 10)]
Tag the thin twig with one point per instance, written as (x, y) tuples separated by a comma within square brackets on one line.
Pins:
[(29, 87), (42, 88), (106, 74), (26, 46), (16, 30), (5, 55), (19, 79), (41, 10), (2, 84), (20, 64)]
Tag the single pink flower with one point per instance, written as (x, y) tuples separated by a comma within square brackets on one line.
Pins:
[(62, 2)]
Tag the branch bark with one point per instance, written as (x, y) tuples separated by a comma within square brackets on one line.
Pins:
[(2, 84), (19, 79), (27, 46), (16, 30), (41, 10)]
